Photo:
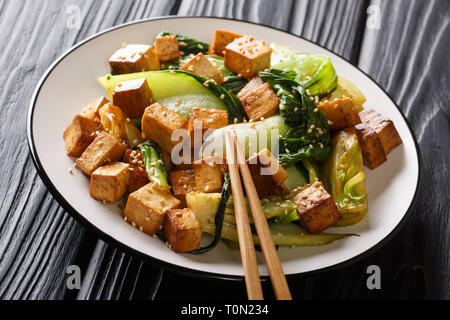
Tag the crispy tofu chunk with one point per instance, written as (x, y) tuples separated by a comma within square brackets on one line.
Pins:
[(247, 56), (134, 58), (341, 112), (202, 120), (182, 229), (200, 65), (167, 48), (221, 39), (147, 206), (183, 183), (138, 174), (384, 128), (158, 123), (105, 148), (208, 174), (371, 147), (79, 134), (258, 100), (266, 172), (133, 96), (109, 183), (316, 208), (90, 110)]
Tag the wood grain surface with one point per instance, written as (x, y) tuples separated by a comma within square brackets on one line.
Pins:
[(407, 55)]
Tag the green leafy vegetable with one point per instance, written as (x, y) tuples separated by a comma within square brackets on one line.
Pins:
[(236, 112), (218, 219), (176, 91), (187, 45), (154, 164), (345, 177), (314, 72), (308, 137)]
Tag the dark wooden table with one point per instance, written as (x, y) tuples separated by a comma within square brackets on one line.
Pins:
[(404, 45)]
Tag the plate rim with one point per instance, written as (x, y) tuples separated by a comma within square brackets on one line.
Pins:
[(185, 271)]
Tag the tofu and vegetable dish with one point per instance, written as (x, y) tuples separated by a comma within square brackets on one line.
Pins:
[(154, 144)]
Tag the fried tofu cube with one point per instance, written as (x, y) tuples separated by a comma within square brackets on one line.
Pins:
[(167, 48), (183, 230), (200, 65), (208, 174), (133, 96), (384, 128), (202, 120), (341, 113), (371, 147), (221, 39), (266, 172), (134, 58), (183, 183), (258, 100), (138, 174), (90, 110), (158, 123), (79, 134), (250, 87), (109, 182), (316, 208), (105, 148), (147, 206), (247, 56)]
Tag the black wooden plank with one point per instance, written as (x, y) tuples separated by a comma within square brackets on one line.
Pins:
[(38, 240)]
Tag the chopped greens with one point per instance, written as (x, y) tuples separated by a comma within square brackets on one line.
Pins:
[(308, 136), (314, 72), (154, 164), (236, 112), (187, 45), (218, 219)]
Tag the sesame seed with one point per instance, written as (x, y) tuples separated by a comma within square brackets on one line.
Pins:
[(70, 171), (316, 110)]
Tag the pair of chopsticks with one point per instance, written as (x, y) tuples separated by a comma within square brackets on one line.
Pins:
[(247, 248)]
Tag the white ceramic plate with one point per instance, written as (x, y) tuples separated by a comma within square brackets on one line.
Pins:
[(71, 82)]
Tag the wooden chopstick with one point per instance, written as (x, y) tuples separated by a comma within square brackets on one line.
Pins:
[(277, 277), (246, 245)]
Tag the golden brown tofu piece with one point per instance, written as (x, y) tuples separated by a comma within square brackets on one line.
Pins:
[(202, 120), (250, 87), (266, 172), (371, 147), (158, 123), (183, 230), (167, 48), (133, 96), (109, 183), (208, 173), (134, 58), (200, 65), (187, 161), (90, 110), (147, 206), (316, 208), (105, 148), (79, 134), (138, 174), (259, 101), (342, 113), (384, 128), (183, 183), (247, 56), (221, 39)]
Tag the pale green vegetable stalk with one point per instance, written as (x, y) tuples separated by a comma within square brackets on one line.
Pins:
[(345, 177), (154, 164), (206, 205)]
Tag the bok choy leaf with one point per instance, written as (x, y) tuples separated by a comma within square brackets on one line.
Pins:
[(154, 164)]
